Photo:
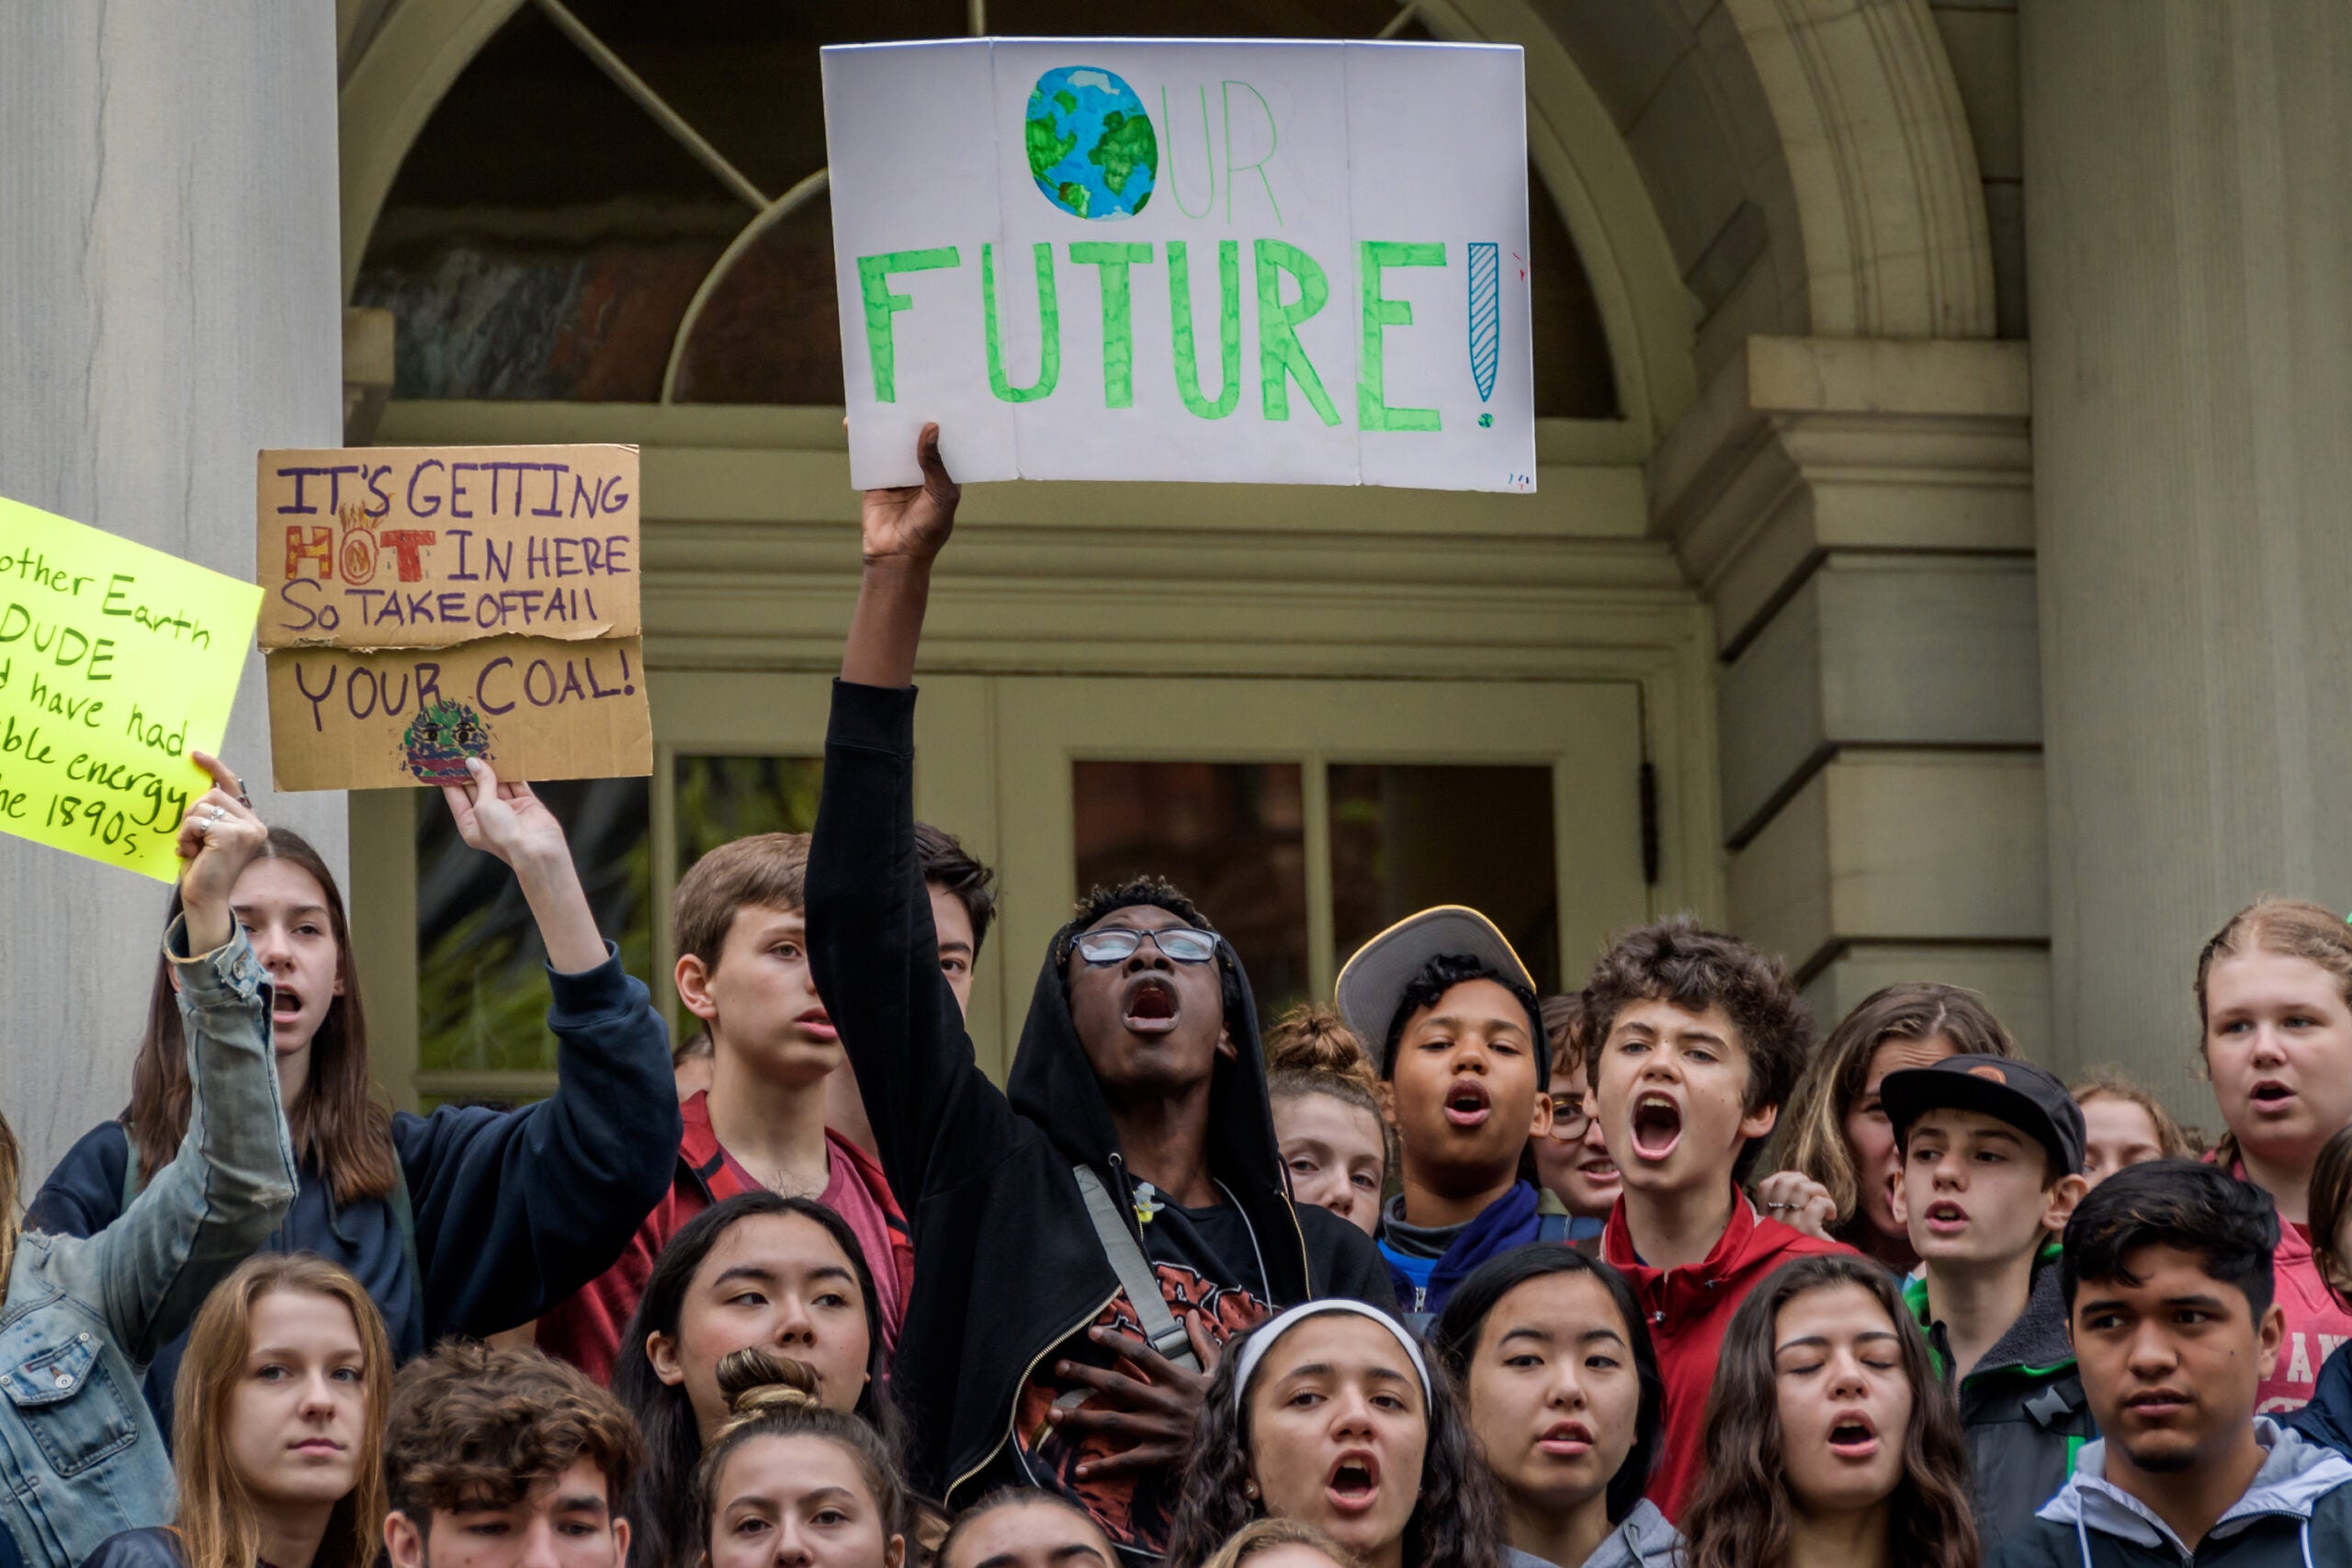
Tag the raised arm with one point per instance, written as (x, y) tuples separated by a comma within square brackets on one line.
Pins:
[(871, 943), (515, 1211), (233, 1180)]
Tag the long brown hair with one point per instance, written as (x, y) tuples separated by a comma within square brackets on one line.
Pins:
[(1741, 1514), (1814, 1140), (2289, 927), (219, 1521), (10, 1159), (338, 1121)]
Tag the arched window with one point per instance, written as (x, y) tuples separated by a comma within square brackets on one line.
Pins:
[(625, 202)]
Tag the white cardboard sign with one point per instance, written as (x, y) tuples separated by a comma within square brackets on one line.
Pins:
[(1113, 259)]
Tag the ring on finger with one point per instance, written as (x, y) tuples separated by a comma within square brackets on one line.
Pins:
[(218, 815)]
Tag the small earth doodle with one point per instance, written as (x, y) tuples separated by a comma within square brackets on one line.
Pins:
[(1092, 148), (439, 739)]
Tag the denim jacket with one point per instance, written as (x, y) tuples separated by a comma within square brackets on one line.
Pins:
[(80, 1455)]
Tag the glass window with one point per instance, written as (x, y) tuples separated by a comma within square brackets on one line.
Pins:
[(1232, 835), (723, 798), (1403, 837), (480, 975)]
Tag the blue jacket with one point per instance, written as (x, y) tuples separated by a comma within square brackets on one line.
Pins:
[(2328, 1417), (1510, 1220), (81, 1457), (512, 1211)]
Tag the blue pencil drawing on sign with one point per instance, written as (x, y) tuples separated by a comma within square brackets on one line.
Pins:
[(1485, 314), (1092, 148)]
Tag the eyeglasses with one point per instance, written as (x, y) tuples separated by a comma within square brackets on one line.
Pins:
[(1569, 1117), (1114, 943)]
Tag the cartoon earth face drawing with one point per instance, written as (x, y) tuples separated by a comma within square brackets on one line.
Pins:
[(1092, 147), (439, 739)]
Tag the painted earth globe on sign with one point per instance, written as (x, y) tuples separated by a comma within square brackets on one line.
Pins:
[(1091, 145)]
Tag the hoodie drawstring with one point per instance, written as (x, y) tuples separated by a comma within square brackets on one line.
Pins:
[(2307, 1542), (2083, 1535)]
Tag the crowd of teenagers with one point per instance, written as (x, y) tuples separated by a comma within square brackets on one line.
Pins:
[(1441, 1275)]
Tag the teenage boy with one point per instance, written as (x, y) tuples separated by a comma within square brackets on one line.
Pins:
[(1991, 1166), (1466, 1079), (506, 1459), (1086, 1236), (741, 924), (2167, 1275), (1700, 1040)]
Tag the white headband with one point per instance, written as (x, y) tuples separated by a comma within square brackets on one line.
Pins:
[(1254, 1348)]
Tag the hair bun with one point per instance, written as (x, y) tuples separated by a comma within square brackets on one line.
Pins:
[(756, 1380), (1311, 1038)]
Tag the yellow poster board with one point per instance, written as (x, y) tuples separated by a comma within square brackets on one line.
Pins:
[(115, 660)]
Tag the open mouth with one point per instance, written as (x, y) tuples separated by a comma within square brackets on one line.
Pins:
[(1853, 1436), (1150, 1007), (1597, 1170), (1354, 1486), (818, 1025), (1466, 1104), (1657, 1126), (1567, 1440), (285, 1003), (2270, 1097), (1946, 1217)]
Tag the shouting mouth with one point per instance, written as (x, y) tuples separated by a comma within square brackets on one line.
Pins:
[(1946, 1218), (285, 1004), (1466, 1103), (1354, 1483), (1658, 1125), (1150, 1006), (1853, 1436)]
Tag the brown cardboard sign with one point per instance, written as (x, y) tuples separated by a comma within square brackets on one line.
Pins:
[(531, 707), (424, 546), (425, 604)]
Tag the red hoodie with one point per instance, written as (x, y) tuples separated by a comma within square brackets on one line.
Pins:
[(1688, 1308)]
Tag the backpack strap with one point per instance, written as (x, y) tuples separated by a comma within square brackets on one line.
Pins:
[(1552, 1227), (1159, 1326)]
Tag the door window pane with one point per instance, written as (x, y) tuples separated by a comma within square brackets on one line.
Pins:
[(1230, 834), (722, 798), (480, 981), (1403, 837)]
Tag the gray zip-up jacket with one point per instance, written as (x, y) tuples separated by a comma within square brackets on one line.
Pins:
[(2297, 1514), (1643, 1539), (80, 1455)]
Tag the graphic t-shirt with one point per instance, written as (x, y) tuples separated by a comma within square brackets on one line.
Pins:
[(1210, 1274), (847, 1194)]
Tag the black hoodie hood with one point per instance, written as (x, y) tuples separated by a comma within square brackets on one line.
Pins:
[(1052, 1084)]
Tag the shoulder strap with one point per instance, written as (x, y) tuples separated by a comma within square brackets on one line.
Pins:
[(1135, 1278), (1552, 1227)]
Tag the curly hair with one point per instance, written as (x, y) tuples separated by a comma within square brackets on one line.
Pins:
[(1677, 961), (1456, 1520), (662, 1511), (1457, 1333), (1812, 1131), (1741, 1514), (774, 1396), (471, 1425), (1568, 1024), (1150, 893), (1440, 975)]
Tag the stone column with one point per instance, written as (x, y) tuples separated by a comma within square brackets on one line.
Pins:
[(168, 305), (2189, 211)]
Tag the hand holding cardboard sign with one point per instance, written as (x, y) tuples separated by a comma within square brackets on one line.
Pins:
[(508, 821), (218, 839), (912, 523)]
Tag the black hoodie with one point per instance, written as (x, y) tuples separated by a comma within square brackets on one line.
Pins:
[(1007, 1265)]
